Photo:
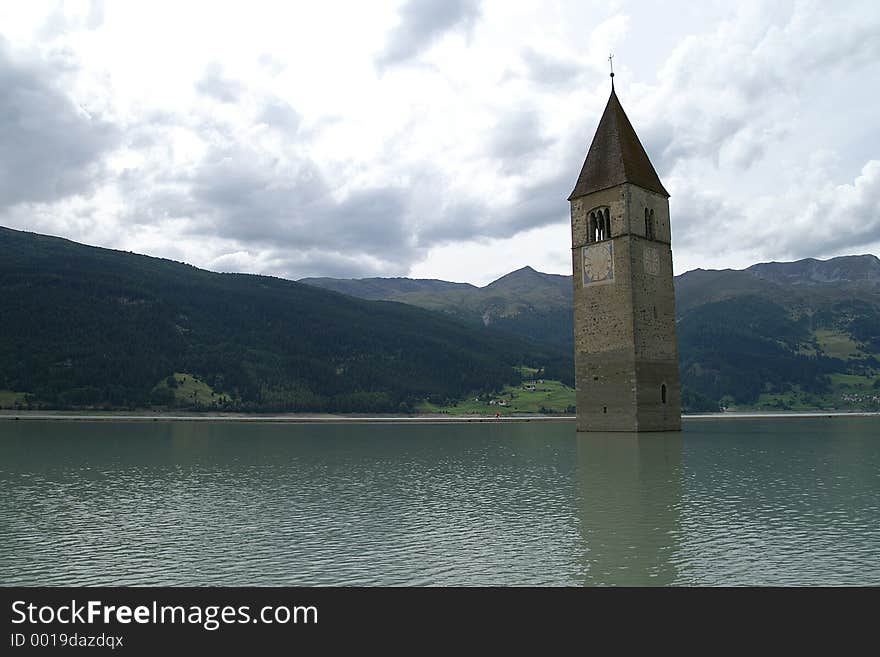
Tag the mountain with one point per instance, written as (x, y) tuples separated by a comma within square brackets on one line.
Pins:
[(389, 289), (90, 327), (802, 334), (806, 281), (524, 302), (845, 269)]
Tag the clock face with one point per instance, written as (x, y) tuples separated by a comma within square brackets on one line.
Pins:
[(598, 263)]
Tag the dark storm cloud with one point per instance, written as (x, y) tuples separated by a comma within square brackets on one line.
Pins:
[(50, 147), (216, 85), (422, 23)]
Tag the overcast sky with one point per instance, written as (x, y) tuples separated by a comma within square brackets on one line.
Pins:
[(433, 138)]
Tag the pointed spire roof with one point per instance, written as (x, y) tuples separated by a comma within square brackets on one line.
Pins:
[(616, 156)]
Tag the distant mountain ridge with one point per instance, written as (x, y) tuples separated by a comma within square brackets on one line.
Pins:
[(506, 295), (525, 302), (809, 271), (773, 333), (531, 291), (384, 288), (847, 269)]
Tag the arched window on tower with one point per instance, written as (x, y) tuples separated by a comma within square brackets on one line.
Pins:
[(663, 393), (599, 227), (649, 224)]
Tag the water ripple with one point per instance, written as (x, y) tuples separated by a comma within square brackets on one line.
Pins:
[(749, 502)]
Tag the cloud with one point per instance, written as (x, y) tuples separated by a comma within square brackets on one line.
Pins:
[(279, 114), (801, 221), (531, 205), (66, 18), (293, 264), (517, 138), (299, 174), (272, 64), (728, 95), (544, 69), (219, 87), (51, 147), (421, 24), (270, 200), (834, 219)]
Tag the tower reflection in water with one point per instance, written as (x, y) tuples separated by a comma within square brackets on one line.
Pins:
[(630, 499)]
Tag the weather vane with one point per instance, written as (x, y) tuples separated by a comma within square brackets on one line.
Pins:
[(611, 64)]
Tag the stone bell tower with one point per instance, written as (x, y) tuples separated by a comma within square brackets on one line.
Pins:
[(626, 352)]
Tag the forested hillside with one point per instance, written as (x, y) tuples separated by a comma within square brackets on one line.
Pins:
[(89, 327), (794, 335), (800, 335), (525, 302)]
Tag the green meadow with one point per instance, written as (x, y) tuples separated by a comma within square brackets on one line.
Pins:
[(9, 398), (549, 396)]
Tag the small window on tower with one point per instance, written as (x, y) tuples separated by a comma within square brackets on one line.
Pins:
[(663, 393)]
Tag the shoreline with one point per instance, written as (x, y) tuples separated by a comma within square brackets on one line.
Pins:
[(281, 418), (746, 415), (294, 418)]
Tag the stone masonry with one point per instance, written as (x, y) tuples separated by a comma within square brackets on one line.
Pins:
[(626, 356)]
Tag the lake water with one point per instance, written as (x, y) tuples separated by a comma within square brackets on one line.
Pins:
[(761, 501)]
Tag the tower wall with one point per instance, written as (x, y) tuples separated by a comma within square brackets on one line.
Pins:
[(656, 343), (604, 337), (625, 341)]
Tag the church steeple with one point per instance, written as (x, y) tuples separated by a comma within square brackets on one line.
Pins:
[(625, 346), (616, 156)]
